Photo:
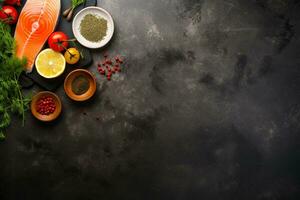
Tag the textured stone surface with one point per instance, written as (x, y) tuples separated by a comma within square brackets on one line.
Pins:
[(207, 107)]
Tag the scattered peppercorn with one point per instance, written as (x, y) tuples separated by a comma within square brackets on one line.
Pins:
[(108, 67)]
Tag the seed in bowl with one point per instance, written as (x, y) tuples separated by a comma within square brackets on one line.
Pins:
[(46, 106)]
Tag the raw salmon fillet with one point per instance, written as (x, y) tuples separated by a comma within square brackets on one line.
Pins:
[(37, 21)]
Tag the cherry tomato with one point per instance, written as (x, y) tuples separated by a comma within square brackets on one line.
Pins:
[(12, 2), (9, 15), (72, 56), (58, 41)]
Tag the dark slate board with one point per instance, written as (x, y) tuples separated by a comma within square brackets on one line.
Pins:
[(66, 27)]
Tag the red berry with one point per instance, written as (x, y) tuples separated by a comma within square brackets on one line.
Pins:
[(119, 60), (117, 67), (109, 62), (105, 54), (46, 106)]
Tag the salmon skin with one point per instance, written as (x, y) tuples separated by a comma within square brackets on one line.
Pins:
[(37, 21)]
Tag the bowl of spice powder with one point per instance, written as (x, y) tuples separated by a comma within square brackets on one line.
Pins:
[(93, 27), (80, 85)]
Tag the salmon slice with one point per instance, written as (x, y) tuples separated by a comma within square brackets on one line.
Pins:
[(37, 21)]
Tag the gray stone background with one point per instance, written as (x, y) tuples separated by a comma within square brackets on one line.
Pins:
[(207, 107)]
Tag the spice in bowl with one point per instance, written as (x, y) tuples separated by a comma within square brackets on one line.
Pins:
[(45, 106), (93, 28), (80, 85)]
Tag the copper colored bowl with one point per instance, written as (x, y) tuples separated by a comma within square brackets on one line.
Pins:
[(71, 77), (46, 118)]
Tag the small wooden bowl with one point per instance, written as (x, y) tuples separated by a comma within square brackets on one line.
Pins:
[(68, 85), (46, 118)]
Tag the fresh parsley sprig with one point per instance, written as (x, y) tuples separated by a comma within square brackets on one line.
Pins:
[(12, 100)]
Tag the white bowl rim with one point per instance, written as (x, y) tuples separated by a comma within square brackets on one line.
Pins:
[(102, 10)]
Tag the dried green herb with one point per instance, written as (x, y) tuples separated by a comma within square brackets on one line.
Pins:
[(12, 100), (93, 28)]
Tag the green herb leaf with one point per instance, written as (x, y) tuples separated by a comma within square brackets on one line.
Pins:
[(2, 136), (12, 100), (76, 3)]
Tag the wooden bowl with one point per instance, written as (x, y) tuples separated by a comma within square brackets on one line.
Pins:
[(46, 118), (92, 85)]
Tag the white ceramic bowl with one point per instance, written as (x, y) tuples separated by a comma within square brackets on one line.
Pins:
[(98, 12)]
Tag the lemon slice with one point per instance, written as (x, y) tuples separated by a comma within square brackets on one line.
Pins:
[(50, 64)]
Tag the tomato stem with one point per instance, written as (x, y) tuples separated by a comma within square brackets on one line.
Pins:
[(71, 55), (60, 44), (8, 18)]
